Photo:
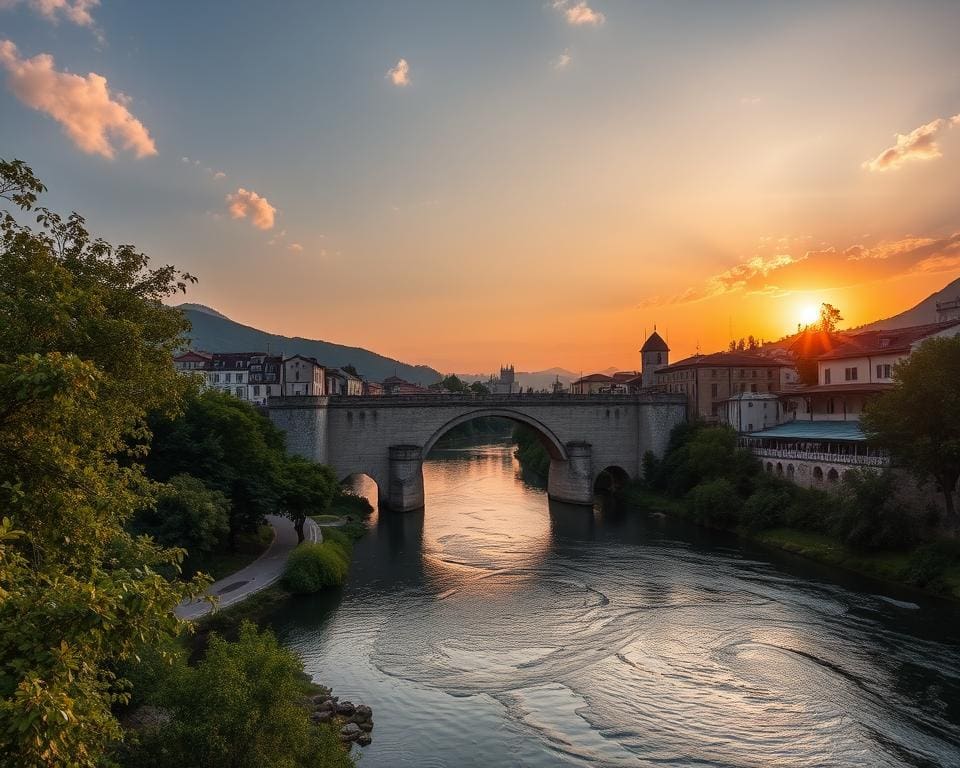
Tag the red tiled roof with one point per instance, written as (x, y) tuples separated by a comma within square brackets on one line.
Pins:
[(864, 388), (594, 377), (625, 376), (725, 360), (893, 341)]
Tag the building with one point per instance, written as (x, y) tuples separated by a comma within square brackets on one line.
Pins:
[(654, 355), (372, 388), (507, 384), (709, 381), (825, 439), (752, 411), (394, 385), (948, 310), (343, 383), (598, 384), (265, 378), (814, 454), (303, 376), (862, 367)]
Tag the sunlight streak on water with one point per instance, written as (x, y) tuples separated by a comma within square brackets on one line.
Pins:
[(494, 629)]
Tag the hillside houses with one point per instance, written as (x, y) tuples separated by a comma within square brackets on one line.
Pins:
[(257, 376)]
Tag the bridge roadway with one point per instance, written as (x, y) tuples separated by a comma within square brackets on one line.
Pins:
[(388, 437)]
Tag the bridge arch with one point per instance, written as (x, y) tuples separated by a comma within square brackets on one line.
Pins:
[(550, 441), (611, 479)]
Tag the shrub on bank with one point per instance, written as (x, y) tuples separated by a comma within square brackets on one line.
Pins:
[(311, 567), (346, 502), (715, 503)]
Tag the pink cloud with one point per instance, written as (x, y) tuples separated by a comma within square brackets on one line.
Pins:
[(295, 247), (91, 116), (244, 203), (75, 11), (579, 13), (919, 144), (399, 74)]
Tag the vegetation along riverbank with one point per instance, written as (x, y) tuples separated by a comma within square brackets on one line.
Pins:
[(871, 523)]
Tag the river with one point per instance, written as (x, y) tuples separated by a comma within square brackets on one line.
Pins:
[(498, 629)]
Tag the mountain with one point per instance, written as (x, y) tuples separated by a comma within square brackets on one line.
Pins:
[(923, 313), (215, 332)]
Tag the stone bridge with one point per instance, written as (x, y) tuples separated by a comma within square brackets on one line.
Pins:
[(388, 437)]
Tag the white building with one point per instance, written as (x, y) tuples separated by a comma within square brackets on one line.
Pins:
[(303, 376)]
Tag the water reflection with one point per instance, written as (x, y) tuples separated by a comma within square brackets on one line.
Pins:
[(497, 629)]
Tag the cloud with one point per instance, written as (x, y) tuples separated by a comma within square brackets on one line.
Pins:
[(827, 267), (579, 14), (750, 100), (75, 11), (919, 144), (295, 247), (217, 175), (399, 74), (245, 202), (91, 116), (562, 61)]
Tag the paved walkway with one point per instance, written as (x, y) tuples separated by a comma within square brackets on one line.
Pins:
[(260, 574)]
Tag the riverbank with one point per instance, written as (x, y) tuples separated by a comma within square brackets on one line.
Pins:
[(933, 568)]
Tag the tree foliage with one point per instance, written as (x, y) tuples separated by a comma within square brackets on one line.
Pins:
[(188, 515), (308, 489), (85, 346), (918, 421), (239, 707), (231, 447)]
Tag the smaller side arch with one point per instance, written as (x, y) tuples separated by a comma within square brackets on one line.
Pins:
[(610, 479)]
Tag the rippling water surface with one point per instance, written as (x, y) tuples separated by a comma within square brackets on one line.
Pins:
[(496, 628)]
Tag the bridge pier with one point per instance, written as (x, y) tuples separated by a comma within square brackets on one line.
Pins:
[(571, 481), (405, 478)]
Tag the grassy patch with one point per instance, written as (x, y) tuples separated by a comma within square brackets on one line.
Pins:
[(326, 519), (249, 547)]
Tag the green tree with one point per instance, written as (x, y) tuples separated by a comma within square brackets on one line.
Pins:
[(85, 347), (241, 706), (231, 447), (479, 388), (188, 515), (308, 489), (918, 421)]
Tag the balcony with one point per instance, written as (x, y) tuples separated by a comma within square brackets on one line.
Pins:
[(854, 458)]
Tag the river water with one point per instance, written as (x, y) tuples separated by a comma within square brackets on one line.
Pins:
[(498, 629)]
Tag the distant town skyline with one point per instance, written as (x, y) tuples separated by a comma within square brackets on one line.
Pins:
[(463, 184)]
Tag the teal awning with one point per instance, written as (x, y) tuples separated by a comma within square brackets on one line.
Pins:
[(813, 430)]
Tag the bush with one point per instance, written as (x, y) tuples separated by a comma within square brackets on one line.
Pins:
[(241, 706), (715, 503), (768, 505), (312, 567), (871, 517), (347, 502)]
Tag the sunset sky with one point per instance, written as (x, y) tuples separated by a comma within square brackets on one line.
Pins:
[(468, 183)]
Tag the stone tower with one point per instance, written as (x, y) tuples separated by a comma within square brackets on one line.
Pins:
[(654, 355)]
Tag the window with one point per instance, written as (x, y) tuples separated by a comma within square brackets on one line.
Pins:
[(714, 391), (753, 387), (226, 377), (659, 357), (850, 374), (769, 373), (830, 406), (216, 378), (239, 392), (883, 371), (826, 375), (713, 372), (256, 391), (754, 373), (750, 404)]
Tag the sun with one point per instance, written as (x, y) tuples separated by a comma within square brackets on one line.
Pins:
[(809, 314)]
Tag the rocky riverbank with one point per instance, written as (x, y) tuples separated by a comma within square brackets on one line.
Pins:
[(353, 722)]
